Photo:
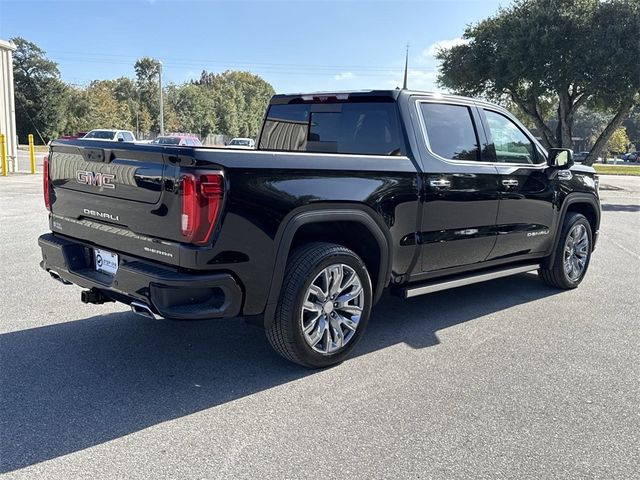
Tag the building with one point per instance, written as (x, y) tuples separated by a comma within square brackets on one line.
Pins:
[(7, 102)]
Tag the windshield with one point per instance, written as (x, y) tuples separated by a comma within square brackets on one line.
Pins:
[(102, 134), (167, 141), (243, 143)]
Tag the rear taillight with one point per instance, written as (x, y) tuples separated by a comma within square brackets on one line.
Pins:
[(45, 182), (201, 199)]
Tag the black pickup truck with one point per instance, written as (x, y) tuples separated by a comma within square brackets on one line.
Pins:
[(346, 195)]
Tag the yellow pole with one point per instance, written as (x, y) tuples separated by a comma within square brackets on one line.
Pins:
[(32, 154), (3, 156)]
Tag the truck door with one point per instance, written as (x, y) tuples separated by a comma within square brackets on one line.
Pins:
[(460, 189), (526, 212)]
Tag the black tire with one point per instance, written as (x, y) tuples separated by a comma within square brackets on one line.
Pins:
[(557, 276), (285, 333)]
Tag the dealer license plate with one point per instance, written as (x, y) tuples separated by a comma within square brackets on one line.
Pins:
[(106, 262)]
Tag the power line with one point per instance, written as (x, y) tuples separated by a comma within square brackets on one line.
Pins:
[(265, 70), (192, 61)]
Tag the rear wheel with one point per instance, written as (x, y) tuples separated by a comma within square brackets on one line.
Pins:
[(572, 254), (324, 305)]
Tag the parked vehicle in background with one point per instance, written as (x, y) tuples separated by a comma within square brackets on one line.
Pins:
[(348, 194), (631, 157), (580, 157), (110, 135), (71, 137), (242, 143), (177, 139)]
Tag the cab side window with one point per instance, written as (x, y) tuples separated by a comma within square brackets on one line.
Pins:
[(357, 128), (510, 143), (285, 128), (451, 131)]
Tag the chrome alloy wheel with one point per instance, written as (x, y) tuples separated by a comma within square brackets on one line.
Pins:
[(332, 308), (576, 252)]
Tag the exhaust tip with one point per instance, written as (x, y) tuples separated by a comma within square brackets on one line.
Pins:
[(56, 276), (144, 310)]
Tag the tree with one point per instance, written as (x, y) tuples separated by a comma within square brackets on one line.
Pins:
[(632, 124), (619, 141), (147, 70), (589, 123), (553, 55), (231, 102), (97, 106), (77, 110), (125, 91), (105, 111), (240, 100), (194, 108), (39, 93)]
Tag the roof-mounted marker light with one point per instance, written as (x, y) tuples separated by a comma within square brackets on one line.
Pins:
[(325, 98)]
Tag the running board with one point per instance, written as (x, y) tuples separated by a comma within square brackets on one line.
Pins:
[(436, 286)]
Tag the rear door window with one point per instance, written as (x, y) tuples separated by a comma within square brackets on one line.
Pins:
[(451, 131), (358, 128)]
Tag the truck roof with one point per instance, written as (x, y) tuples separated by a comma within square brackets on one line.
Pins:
[(359, 95)]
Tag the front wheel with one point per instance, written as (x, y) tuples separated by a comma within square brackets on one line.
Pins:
[(324, 305), (572, 254)]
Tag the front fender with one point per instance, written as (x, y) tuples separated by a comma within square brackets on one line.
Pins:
[(574, 199)]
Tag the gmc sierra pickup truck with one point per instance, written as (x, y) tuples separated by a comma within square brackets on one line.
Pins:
[(347, 194)]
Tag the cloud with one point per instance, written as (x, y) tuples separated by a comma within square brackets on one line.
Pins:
[(344, 76), (432, 50)]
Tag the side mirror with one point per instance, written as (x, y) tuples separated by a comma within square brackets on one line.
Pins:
[(120, 139), (561, 158)]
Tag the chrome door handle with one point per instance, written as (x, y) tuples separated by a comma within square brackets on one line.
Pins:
[(440, 183), (510, 183)]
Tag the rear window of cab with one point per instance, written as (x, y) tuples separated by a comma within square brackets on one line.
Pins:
[(355, 128)]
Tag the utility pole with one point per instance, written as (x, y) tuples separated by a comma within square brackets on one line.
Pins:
[(161, 100)]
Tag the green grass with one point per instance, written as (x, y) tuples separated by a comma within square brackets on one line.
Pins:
[(618, 169)]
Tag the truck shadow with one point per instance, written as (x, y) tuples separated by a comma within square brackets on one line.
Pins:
[(70, 386), (612, 207)]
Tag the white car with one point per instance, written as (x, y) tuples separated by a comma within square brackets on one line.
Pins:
[(242, 143), (110, 135)]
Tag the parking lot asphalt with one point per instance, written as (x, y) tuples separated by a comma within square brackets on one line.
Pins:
[(506, 379)]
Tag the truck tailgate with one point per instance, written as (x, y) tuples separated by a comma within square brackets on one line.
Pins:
[(117, 195)]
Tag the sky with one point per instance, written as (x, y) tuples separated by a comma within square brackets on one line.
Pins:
[(296, 46)]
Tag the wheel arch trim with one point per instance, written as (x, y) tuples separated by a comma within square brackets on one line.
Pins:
[(321, 214), (573, 199)]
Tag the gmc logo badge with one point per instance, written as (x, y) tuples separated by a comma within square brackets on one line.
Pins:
[(104, 180)]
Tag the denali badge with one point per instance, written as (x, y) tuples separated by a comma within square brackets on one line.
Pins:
[(540, 232), (106, 215), (104, 180)]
